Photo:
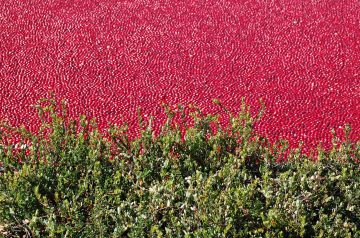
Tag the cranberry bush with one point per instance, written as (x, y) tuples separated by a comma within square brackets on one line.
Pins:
[(193, 180)]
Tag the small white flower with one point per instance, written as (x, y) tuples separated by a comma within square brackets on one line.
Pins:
[(152, 189)]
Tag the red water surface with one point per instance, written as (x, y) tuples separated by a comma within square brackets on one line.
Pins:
[(109, 57)]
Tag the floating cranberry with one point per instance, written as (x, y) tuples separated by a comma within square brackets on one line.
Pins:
[(108, 59)]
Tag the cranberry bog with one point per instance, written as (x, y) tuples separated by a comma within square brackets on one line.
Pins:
[(107, 58)]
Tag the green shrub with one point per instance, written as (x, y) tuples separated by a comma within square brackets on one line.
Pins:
[(70, 180)]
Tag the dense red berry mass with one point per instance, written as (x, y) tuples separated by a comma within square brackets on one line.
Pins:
[(109, 57)]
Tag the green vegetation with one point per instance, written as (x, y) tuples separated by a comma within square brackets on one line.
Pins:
[(70, 180)]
